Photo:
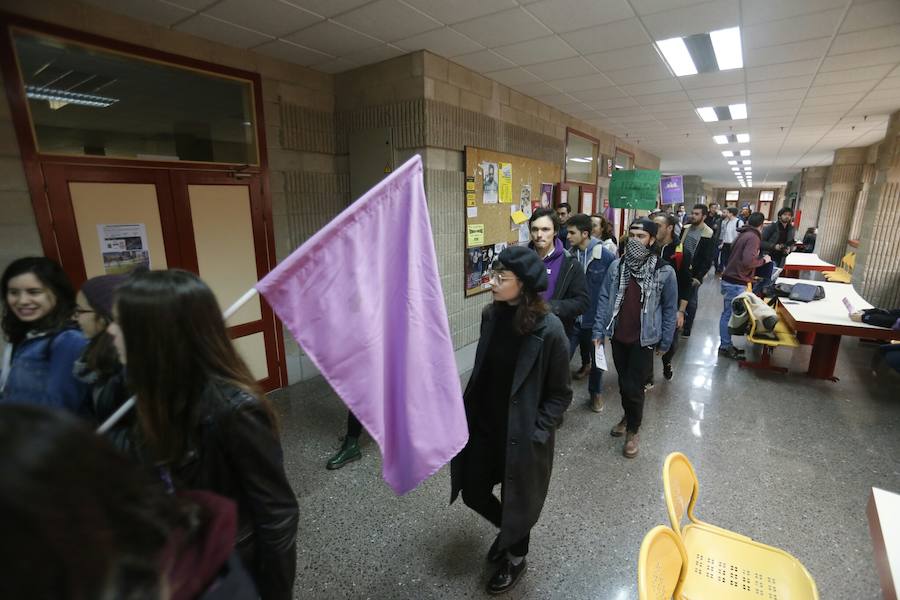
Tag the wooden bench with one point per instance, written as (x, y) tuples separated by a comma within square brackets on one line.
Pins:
[(780, 336), (844, 273)]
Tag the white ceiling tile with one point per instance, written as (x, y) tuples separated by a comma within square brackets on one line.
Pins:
[(514, 76), (702, 80), (537, 89), (639, 74), (326, 8), (870, 39), (587, 82), (598, 94), (503, 28), (761, 11), (567, 15), (374, 54), (652, 87), (483, 61), (559, 100), (266, 16), (734, 92), (848, 87), (780, 83), (889, 83), (851, 75), (222, 31), (789, 69), (871, 15), (537, 51), (443, 42), (648, 7), (455, 12), (602, 38), (192, 5), (609, 103), (667, 98), (858, 60), (336, 65), (331, 38), (822, 24), (387, 20), (773, 55), (625, 58), (158, 13), (292, 53), (846, 100), (698, 18), (559, 69)]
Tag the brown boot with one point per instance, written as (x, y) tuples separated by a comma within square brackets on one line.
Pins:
[(619, 429), (597, 402), (631, 445), (582, 372)]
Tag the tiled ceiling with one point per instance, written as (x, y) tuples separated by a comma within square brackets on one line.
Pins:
[(818, 74)]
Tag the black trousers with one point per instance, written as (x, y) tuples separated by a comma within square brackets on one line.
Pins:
[(354, 427), (633, 363), (667, 357), (485, 464)]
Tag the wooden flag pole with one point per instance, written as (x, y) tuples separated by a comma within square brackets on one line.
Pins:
[(129, 404)]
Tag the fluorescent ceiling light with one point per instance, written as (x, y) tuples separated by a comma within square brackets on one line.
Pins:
[(720, 139), (732, 162), (738, 111), (743, 138), (580, 160), (727, 46), (728, 153), (62, 97), (746, 162), (745, 153), (735, 168), (708, 114), (677, 56)]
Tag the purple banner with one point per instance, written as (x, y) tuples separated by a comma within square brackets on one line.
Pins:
[(671, 190)]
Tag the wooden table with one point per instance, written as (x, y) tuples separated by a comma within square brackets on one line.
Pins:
[(804, 261), (828, 320), (883, 512)]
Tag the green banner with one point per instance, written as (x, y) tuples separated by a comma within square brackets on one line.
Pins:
[(634, 189)]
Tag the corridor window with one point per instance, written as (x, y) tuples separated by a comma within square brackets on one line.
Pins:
[(85, 100), (732, 195), (582, 153), (766, 196)]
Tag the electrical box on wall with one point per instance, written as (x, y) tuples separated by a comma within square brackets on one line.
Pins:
[(371, 158)]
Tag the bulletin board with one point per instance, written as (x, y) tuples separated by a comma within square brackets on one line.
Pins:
[(514, 184)]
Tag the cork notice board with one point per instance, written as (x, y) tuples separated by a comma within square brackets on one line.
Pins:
[(489, 212)]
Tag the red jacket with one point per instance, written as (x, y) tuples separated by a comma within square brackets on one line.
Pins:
[(744, 257)]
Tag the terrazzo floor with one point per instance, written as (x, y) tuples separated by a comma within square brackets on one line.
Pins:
[(787, 460)]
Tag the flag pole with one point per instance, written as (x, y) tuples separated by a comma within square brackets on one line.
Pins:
[(122, 410)]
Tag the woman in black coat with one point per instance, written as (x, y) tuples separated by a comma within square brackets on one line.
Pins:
[(515, 400)]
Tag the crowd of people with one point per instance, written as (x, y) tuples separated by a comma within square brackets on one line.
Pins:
[(187, 496)]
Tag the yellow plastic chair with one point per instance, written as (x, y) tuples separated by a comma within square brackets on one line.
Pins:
[(721, 563), (784, 337), (844, 273), (660, 565)]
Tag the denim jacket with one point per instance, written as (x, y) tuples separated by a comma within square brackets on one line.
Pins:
[(41, 372), (596, 260), (657, 313)]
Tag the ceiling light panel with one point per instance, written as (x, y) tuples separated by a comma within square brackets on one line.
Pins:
[(727, 153), (726, 44), (677, 56), (718, 50), (745, 153)]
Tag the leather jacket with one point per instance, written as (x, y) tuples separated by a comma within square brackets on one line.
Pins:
[(235, 453)]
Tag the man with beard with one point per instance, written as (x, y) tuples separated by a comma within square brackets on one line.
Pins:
[(636, 310), (698, 245)]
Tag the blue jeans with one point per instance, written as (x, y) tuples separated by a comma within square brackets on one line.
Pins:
[(730, 291), (595, 380), (691, 310)]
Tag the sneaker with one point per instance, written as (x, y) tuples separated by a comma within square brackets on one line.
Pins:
[(618, 430), (349, 452), (648, 386), (630, 450), (668, 373), (597, 403), (731, 352), (685, 333)]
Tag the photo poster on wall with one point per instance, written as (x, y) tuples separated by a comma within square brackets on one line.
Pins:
[(478, 265), (123, 247), (546, 199), (490, 184)]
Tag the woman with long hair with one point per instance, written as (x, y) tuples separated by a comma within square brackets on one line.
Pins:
[(515, 400), (42, 342), (80, 522), (201, 418)]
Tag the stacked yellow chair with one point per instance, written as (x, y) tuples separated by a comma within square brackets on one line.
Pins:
[(700, 561), (844, 273)]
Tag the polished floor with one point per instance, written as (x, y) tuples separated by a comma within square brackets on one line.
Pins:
[(784, 459)]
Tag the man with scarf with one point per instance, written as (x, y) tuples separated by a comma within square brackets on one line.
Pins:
[(637, 311)]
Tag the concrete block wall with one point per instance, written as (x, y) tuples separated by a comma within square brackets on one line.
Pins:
[(842, 191), (812, 188)]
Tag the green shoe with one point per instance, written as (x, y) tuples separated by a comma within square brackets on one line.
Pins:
[(348, 453)]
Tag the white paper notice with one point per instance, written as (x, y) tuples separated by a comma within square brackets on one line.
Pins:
[(123, 247), (587, 202), (524, 234), (600, 357), (472, 212)]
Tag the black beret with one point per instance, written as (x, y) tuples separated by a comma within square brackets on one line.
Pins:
[(646, 224), (527, 266)]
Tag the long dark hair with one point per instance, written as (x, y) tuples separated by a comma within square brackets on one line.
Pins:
[(80, 521), (529, 312), (176, 345), (51, 276)]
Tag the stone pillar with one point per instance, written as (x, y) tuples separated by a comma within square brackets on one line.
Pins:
[(838, 203), (877, 273), (812, 188), (868, 178)]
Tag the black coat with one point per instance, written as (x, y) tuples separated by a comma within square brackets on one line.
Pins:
[(698, 264), (770, 235), (570, 298), (236, 454), (541, 392)]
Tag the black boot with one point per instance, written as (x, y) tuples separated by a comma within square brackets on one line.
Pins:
[(506, 577), (348, 453)]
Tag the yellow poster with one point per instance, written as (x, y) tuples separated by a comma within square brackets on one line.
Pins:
[(475, 235), (470, 186), (506, 182), (519, 217)]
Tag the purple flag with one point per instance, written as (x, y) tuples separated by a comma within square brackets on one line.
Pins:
[(363, 298)]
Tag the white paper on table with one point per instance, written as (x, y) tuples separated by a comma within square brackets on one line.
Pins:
[(600, 357)]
